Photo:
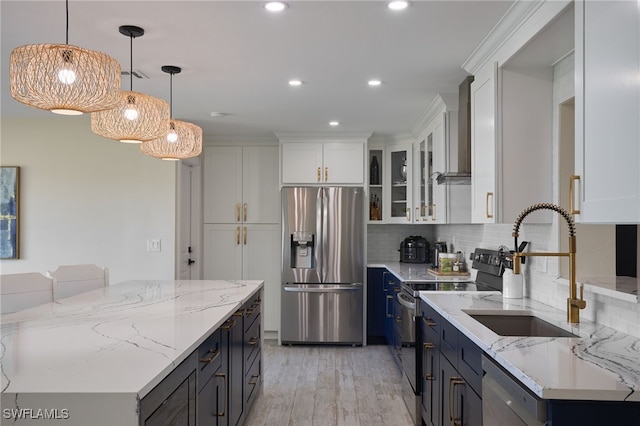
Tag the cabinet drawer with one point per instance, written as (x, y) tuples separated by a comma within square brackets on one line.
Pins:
[(449, 341), (253, 379), (252, 311), (470, 362), (209, 357), (431, 323), (252, 341)]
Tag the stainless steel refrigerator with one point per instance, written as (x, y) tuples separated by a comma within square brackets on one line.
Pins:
[(322, 270)]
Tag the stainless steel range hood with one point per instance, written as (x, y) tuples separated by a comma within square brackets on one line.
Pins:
[(461, 176)]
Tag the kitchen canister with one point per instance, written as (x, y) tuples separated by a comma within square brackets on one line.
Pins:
[(512, 285)]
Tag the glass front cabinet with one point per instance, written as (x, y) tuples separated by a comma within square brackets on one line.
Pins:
[(430, 148), (398, 182)]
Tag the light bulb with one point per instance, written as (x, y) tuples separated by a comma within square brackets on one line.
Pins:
[(66, 76), (131, 113), (172, 136)]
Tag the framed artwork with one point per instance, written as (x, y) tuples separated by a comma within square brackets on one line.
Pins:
[(9, 212)]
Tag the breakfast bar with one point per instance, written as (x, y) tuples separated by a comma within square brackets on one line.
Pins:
[(91, 359)]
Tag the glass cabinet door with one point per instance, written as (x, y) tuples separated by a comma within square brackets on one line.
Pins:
[(398, 175)]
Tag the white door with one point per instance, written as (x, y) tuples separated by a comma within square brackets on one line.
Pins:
[(343, 163), (301, 162), (222, 258), (607, 151), (261, 197), (188, 220), (261, 261), (483, 146), (223, 184)]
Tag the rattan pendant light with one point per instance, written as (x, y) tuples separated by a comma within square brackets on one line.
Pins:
[(62, 78), (137, 117), (181, 139)]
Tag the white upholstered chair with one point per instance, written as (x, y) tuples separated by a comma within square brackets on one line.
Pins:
[(22, 291), (69, 280)]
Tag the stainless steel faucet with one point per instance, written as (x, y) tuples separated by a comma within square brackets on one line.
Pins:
[(573, 303)]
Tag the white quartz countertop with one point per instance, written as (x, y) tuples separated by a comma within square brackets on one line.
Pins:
[(418, 272), (599, 364), (114, 344)]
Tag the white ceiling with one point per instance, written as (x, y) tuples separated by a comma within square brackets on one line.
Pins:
[(237, 58)]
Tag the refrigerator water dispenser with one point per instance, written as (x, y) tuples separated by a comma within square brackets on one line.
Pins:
[(302, 250)]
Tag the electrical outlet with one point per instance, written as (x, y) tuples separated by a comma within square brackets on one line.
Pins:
[(153, 245)]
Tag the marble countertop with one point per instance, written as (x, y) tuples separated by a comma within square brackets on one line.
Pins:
[(114, 344), (418, 272), (599, 364)]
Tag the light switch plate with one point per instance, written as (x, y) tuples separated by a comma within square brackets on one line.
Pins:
[(153, 245)]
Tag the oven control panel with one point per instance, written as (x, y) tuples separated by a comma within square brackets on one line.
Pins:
[(489, 261)]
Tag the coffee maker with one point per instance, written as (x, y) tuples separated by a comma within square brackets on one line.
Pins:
[(437, 248)]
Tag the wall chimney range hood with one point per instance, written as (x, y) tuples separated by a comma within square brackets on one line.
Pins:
[(462, 176)]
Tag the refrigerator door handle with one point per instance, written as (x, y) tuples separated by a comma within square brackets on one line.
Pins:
[(321, 290), (321, 224)]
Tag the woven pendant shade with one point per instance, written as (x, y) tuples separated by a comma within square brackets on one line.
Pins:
[(119, 123), (182, 140), (137, 117), (64, 79)]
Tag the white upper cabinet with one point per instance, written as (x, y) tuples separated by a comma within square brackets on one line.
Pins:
[(512, 111), (483, 146), (607, 138), (241, 184), (331, 162)]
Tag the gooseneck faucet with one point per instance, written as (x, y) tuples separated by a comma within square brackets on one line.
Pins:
[(573, 303)]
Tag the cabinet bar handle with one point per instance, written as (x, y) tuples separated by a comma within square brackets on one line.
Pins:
[(489, 216), (238, 212), (425, 349), (254, 376), (417, 212), (387, 307), (245, 235), (214, 354), (248, 311), (434, 212), (399, 320), (244, 208), (238, 236), (408, 211), (318, 174), (227, 325), (429, 322), (326, 174), (226, 394), (254, 341), (572, 195), (453, 382)]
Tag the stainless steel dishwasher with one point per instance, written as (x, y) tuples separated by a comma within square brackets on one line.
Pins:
[(507, 402)]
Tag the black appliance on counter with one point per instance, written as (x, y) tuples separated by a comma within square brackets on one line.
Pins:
[(489, 265), (414, 249)]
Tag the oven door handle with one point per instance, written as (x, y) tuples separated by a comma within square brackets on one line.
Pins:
[(404, 302)]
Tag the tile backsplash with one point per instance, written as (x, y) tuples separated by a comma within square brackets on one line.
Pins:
[(540, 273)]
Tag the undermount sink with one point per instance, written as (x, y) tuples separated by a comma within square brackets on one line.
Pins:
[(517, 323)]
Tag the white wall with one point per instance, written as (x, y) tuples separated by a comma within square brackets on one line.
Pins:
[(87, 199)]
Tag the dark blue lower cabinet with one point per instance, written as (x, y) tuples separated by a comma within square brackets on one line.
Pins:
[(375, 306)]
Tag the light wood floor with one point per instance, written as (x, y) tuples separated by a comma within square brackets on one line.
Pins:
[(329, 385)]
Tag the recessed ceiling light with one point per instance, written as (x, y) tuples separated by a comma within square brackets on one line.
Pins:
[(275, 6), (398, 5), (374, 82), (334, 123), (218, 114), (295, 82)]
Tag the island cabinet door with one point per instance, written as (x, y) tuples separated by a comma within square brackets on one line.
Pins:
[(236, 368), (173, 401)]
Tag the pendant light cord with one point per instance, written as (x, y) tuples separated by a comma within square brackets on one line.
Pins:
[(171, 96), (67, 28), (130, 62)]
